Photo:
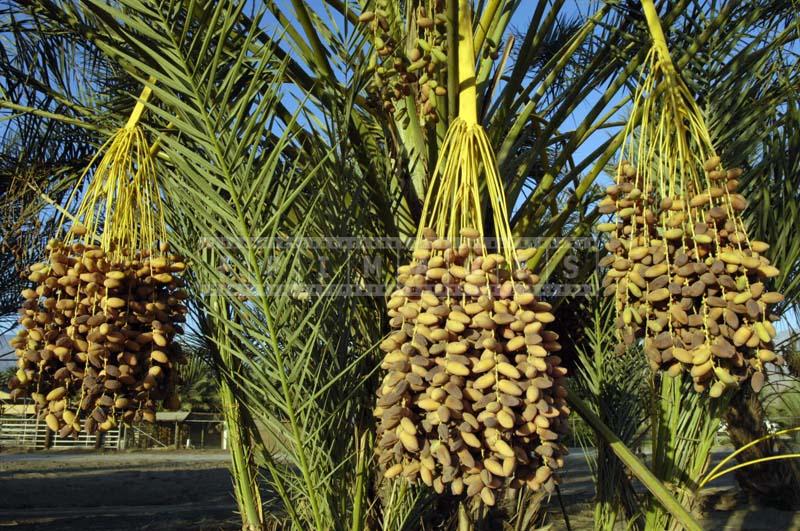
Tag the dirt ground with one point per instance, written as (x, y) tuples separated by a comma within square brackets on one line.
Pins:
[(155, 490), (168, 490)]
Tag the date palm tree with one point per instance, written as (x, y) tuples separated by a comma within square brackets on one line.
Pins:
[(283, 123)]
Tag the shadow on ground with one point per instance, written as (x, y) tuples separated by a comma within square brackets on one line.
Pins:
[(86, 495)]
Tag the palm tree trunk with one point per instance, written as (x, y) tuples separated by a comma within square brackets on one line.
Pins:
[(243, 467), (775, 483), (240, 429)]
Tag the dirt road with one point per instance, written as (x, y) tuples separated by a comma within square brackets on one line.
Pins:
[(167, 490), (116, 491)]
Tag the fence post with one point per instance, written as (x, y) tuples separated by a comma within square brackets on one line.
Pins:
[(35, 433)]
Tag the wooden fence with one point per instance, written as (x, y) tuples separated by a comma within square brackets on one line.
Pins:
[(24, 430), (20, 428)]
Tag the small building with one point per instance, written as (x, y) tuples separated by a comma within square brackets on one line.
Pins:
[(178, 429)]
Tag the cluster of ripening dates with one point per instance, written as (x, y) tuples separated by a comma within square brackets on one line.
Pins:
[(687, 280), (473, 397), (96, 343)]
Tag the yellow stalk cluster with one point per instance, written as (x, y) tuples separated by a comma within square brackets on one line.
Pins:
[(121, 208), (684, 273)]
